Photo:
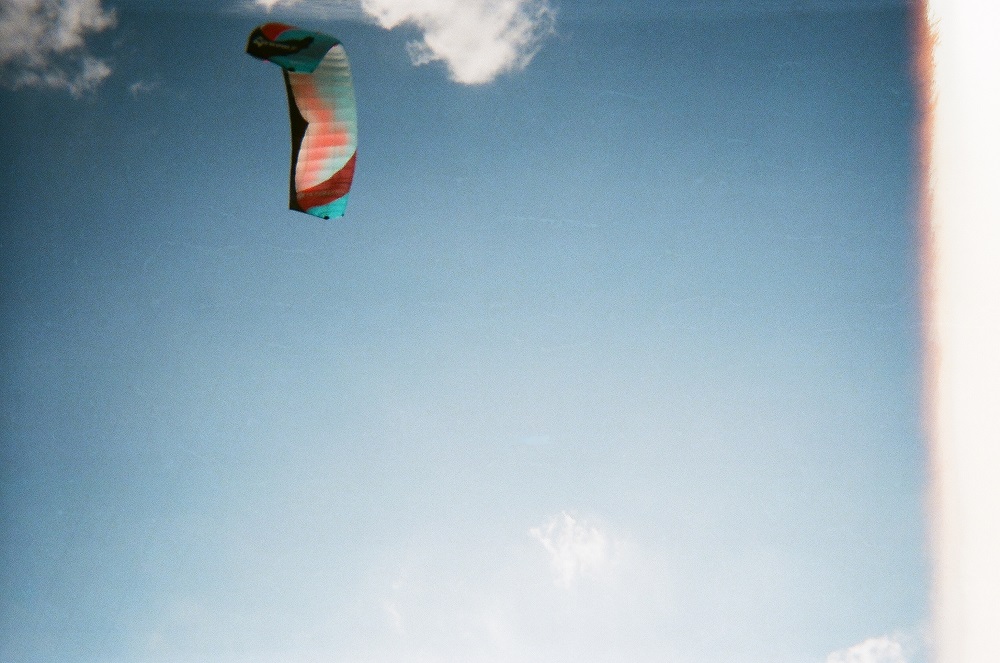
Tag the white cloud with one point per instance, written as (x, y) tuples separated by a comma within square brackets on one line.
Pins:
[(576, 549), (271, 4), (477, 40), (322, 10), (883, 649), (42, 43)]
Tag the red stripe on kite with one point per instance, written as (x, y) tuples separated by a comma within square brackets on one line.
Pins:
[(327, 192), (272, 30)]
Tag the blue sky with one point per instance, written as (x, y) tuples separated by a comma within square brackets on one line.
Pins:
[(614, 356)]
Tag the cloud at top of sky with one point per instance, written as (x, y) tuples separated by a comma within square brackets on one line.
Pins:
[(43, 43), (321, 9), (477, 40)]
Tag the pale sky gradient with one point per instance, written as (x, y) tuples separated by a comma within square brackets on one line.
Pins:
[(615, 355)]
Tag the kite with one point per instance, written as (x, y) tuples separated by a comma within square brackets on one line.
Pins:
[(322, 112)]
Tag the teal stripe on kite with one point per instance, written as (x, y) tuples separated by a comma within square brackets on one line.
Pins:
[(330, 210)]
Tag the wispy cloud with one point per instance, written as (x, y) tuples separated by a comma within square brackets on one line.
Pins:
[(576, 549), (323, 10), (477, 40), (455, 599), (43, 43), (883, 649), (143, 87), (312, 8), (395, 618)]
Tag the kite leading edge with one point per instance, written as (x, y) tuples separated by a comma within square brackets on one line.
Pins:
[(322, 112)]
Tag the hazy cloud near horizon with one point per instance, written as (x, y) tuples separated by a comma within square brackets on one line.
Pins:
[(573, 589), (577, 549), (882, 649), (570, 589)]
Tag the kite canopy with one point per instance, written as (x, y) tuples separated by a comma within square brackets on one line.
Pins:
[(322, 111)]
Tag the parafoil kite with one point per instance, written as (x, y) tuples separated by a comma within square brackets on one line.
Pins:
[(322, 111)]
